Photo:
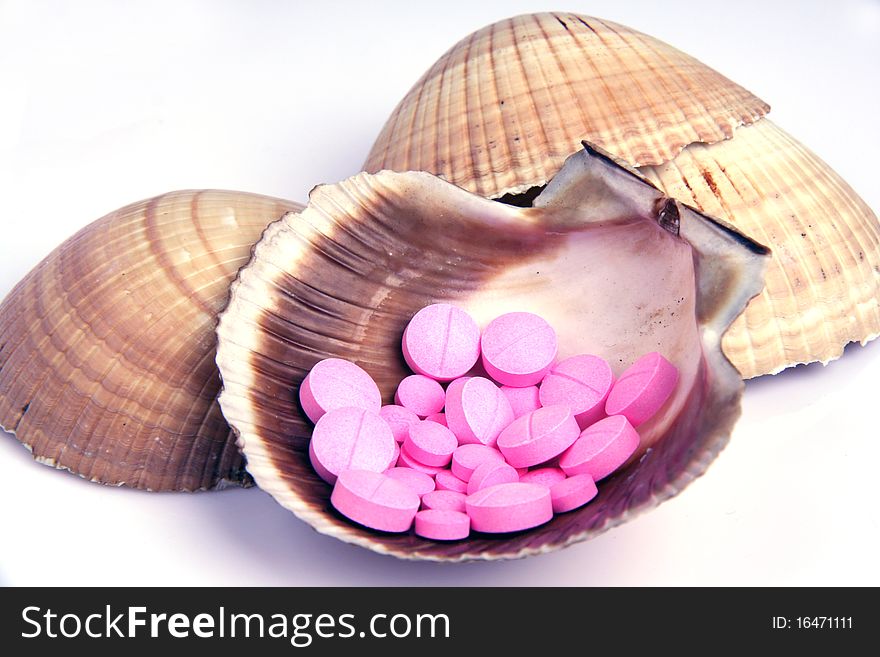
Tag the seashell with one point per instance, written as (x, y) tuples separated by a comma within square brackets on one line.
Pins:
[(107, 346), (501, 110), (345, 276)]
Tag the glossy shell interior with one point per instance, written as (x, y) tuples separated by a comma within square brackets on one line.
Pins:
[(501, 110), (612, 264), (107, 346)]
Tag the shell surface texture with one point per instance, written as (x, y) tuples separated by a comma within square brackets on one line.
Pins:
[(343, 278), (107, 346), (501, 110)]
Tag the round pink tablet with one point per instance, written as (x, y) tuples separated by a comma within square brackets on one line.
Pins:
[(442, 342), (544, 476), (476, 410), (583, 383), (572, 493), (509, 507), (374, 500), (420, 394), (418, 482), (491, 473), (336, 383), (642, 388), (601, 448), (522, 400), (394, 456), (407, 460), (538, 436), (439, 418), (442, 525), (400, 419), (446, 480), (518, 349), (430, 443), (466, 458), (350, 439), (444, 500)]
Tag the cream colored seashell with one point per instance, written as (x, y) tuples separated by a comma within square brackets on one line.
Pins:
[(599, 257), (499, 112), (107, 346)]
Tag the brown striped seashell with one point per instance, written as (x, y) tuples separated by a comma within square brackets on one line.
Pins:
[(107, 346), (501, 110), (617, 268)]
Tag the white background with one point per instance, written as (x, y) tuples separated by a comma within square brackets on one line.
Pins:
[(105, 103)]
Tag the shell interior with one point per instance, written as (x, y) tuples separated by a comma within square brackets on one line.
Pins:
[(601, 260)]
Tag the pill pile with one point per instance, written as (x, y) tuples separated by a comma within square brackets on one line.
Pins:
[(514, 437)]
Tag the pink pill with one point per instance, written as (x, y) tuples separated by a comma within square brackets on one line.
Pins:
[(442, 525), (418, 482), (642, 388), (509, 507), (583, 383), (400, 419), (476, 410), (442, 342), (407, 460), (466, 458), (601, 448), (538, 436), (420, 394), (374, 500), (444, 500), (518, 349), (336, 383), (522, 400), (394, 456), (446, 480), (544, 476), (430, 443), (350, 439), (491, 473), (572, 493), (439, 418)]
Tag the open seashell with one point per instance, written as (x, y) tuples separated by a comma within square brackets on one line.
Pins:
[(502, 109), (599, 256), (107, 346)]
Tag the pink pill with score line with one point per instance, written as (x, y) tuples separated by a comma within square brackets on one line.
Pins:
[(538, 436), (441, 342), (491, 473), (442, 524), (446, 480), (509, 507), (336, 383), (476, 410), (374, 500), (601, 448), (581, 382), (518, 349), (350, 439), (642, 388), (430, 443), (467, 458), (444, 500), (522, 400), (421, 394), (572, 493), (400, 419), (418, 482)]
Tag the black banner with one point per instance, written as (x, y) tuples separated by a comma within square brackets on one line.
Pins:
[(404, 620)]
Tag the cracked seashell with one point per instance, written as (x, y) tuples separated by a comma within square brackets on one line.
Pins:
[(501, 110), (617, 268), (107, 346)]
